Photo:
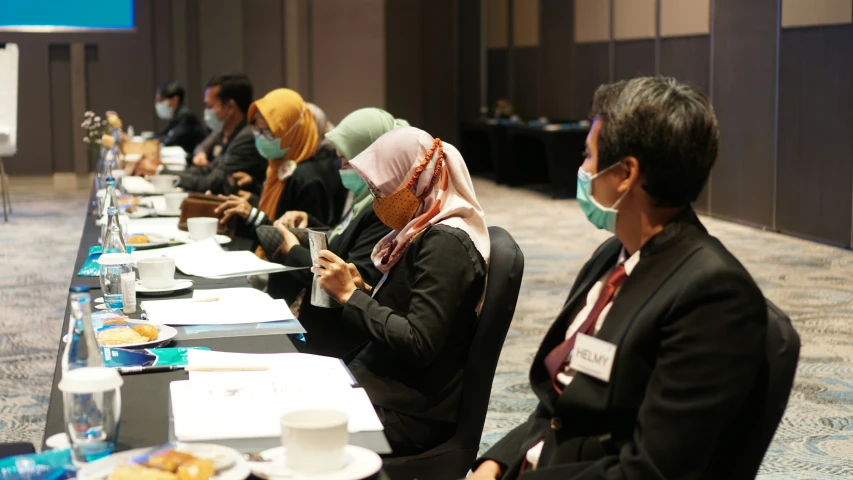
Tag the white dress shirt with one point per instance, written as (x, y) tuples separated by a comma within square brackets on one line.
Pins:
[(565, 377)]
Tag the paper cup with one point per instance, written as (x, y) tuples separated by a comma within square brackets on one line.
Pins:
[(314, 440), (202, 228)]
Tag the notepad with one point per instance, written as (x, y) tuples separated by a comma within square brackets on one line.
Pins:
[(190, 312), (228, 264)]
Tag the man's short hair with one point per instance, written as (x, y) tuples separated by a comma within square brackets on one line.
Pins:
[(233, 86), (172, 90), (669, 127)]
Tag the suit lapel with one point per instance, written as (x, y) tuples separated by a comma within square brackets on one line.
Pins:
[(659, 259), (539, 378)]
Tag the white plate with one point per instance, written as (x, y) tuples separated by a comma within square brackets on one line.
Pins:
[(141, 212), (176, 285), (154, 241), (221, 239), (359, 463), (166, 334), (101, 469), (99, 300)]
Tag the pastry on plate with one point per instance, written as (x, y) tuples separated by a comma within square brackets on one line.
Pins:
[(196, 469), (169, 460), (148, 331), (138, 239), (120, 336), (138, 472)]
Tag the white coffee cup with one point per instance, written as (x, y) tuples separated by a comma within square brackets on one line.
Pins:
[(156, 272), (174, 200), (202, 228), (165, 183), (314, 440)]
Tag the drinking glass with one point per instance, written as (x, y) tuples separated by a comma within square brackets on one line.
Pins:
[(92, 407)]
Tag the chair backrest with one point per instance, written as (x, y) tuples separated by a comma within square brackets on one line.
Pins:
[(783, 353), (506, 267)]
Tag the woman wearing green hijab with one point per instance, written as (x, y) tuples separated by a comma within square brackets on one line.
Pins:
[(353, 239)]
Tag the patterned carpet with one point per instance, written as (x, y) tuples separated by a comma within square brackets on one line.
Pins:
[(813, 283)]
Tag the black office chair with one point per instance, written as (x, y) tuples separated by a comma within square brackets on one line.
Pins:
[(783, 352), (453, 458)]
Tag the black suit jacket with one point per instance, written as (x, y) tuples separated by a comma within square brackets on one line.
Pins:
[(183, 130), (326, 334), (420, 324), (237, 155), (689, 324)]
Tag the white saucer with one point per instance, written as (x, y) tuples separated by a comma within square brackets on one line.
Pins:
[(176, 285), (99, 300), (359, 463)]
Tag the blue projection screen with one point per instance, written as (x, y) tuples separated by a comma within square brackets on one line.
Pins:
[(65, 15)]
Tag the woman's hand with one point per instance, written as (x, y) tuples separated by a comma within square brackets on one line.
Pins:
[(334, 276), (294, 219), (234, 205), (488, 470), (290, 239), (242, 179), (358, 280), (200, 159)]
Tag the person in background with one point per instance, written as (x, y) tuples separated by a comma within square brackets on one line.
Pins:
[(298, 176), (652, 366), (352, 239), (421, 316), (230, 147), (183, 128), (323, 125)]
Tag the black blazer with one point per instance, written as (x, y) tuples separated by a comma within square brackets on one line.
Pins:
[(183, 130), (420, 324), (237, 155), (689, 325), (326, 334)]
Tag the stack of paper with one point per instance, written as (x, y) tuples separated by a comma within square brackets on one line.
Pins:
[(173, 156), (205, 249), (227, 405), (227, 264), (137, 186), (216, 311)]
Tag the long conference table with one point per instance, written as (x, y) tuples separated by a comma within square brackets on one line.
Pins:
[(145, 416)]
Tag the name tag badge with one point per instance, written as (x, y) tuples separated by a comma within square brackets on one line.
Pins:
[(593, 357)]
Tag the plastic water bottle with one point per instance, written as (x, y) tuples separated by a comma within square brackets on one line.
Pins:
[(111, 196), (113, 240), (116, 277), (81, 346)]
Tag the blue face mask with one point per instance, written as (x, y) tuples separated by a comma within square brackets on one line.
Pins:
[(600, 216), (164, 111), (270, 149), (352, 181), (211, 120)]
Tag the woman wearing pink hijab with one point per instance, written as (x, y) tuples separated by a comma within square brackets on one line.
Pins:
[(421, 315)]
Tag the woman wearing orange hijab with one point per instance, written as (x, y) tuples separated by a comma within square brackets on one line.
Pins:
[(299, 176)]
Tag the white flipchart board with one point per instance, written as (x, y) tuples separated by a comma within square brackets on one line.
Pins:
[(8, 99)]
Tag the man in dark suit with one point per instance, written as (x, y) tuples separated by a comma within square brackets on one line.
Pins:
[(231, 147), (184, 129), (650, 369)]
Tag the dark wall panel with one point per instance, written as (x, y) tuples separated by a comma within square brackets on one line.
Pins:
[(497, 85), (439, 59), (744, 97), (525, 78), (35, 132), (592, 60), (403, 60), (687, 59), (556, 36), (162, 45), (59, 58), (263, 44), (468, 29), (815, 166), (633, 58)]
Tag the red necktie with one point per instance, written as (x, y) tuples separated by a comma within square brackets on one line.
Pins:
[(558, 357)]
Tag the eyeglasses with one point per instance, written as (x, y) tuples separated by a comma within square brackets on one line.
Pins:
[(265, 132), (374, 192)]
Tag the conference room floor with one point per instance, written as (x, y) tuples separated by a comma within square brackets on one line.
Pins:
[(813, 283)]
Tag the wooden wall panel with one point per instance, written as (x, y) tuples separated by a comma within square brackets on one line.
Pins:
[(815, 170), (745, 101), (404, 61), (59, 58), (592, 21), (633, 59), (556, 79), (685, 17), (592, 58), (813, 13), (263, 44), (525, 78), (634, 19), (469, 77)]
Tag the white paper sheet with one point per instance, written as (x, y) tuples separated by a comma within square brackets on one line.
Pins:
[(137, 186), (207, 411), (173, 154), (204, 249), (286, 368), (227, 264), (239, 294), (193, 312)]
